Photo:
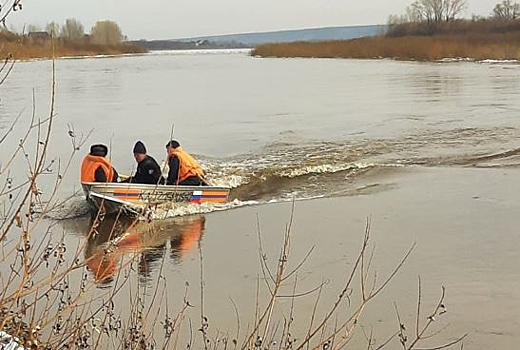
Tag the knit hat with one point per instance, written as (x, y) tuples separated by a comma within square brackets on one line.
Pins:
[(173, 144), (99, 150), (139, 147)]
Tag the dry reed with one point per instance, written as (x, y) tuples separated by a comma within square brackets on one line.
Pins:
[(21, 47), (478, 47)]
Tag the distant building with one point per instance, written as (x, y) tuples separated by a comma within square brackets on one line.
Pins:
[(39, 36)]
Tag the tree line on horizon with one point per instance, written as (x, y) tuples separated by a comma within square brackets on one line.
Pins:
[(429, 17), (448, 10), (67, 39), (104, 32)]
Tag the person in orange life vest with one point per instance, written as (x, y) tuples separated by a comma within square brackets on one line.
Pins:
[(184, 169), (104, 251), (97, 168)]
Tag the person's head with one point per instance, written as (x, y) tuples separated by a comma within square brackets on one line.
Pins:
[(139, 151), (171, 146), (99, 150)]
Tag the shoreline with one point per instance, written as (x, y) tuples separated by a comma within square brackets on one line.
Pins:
[(26, 51), (80, 57), (137, 54), (445, 60)]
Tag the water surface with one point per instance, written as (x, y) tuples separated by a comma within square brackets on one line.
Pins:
[(429, 150)]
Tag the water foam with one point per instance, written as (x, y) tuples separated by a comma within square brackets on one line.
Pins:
[(456, 59), (499, 61), (283, 172), (469, 59), (192, 209), (231, 181), (323, 168), (74, 207)]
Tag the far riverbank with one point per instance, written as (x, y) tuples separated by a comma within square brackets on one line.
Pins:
[(420, 48), (23, 48)]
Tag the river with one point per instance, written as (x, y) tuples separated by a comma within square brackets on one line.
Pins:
[(428, 151)]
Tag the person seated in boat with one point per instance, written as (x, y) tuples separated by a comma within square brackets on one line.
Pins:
[(184, 169), (148, 171), (96, 167)]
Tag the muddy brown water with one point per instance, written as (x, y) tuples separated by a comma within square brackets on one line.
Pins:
[(429, 151)]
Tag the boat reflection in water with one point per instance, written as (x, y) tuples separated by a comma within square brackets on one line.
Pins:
[(113, 239)]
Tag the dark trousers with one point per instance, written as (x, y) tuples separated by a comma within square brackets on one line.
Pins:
[(193, 181)]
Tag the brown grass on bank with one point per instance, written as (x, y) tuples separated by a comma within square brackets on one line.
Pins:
[(23, 48), (429, 48)]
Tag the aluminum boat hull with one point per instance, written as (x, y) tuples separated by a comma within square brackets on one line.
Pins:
[(134, 198)]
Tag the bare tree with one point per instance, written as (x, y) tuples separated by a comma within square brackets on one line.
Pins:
[(106, 33), (427, 10), (53, 29), (435, 10), (453, 8), (438, 9), (423, 12), (412, 14), (33, 28), (72, 29), (507, 10)]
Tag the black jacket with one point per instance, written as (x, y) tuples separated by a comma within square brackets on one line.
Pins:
[(148, 172)]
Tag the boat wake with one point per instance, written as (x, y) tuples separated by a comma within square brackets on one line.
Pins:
[(192, 209), (322, 169), (286, 171)]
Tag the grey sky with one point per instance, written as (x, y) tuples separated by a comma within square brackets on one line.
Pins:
[(161, 19)]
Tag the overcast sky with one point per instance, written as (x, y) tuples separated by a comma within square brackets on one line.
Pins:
[(165, 19)]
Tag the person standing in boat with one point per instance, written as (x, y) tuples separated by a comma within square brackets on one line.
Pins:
[(96, 167), (184, 169), (148, 171)]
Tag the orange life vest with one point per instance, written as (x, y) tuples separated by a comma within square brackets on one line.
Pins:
[(103, 265), (191, 235), (91, 163), (188, 166)]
